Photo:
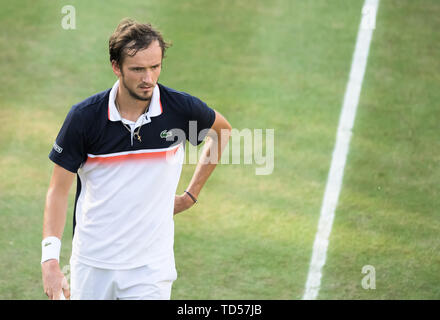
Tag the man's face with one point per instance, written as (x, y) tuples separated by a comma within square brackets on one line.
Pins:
[(139, 74)]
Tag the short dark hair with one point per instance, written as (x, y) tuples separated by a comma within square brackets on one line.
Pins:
[(130, 37)]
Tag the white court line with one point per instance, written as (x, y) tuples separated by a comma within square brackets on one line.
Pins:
[(339, 157)]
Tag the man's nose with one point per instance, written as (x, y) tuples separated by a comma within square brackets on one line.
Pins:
[(148, 77)]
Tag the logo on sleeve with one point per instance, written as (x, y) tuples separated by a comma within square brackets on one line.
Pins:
[(57, 148)]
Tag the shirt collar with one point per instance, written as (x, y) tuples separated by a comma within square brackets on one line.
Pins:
[(154, 110)]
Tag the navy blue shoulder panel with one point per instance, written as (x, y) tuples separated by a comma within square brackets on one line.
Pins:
[(193, 110)]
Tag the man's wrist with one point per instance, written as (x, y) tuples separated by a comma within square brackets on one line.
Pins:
[(193, 198), (50, 249)]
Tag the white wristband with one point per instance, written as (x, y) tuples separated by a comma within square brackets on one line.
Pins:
[(50, 249)]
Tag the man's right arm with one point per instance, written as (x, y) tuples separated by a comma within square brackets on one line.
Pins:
[(55, 212)]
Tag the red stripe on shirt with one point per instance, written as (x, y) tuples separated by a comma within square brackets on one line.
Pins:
[(132, 156)]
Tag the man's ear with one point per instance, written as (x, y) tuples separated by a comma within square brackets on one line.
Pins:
[(116, 68)]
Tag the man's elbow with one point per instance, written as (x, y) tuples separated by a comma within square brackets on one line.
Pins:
[(221, 127)]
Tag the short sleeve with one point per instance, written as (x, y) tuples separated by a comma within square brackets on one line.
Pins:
[(69, 148), (201, 118)]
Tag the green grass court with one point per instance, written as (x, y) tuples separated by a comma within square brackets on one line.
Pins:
[(281, 65)]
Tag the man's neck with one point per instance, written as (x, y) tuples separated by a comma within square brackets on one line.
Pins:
[(129, 107)]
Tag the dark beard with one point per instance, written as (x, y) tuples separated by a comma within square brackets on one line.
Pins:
[(133, 94)]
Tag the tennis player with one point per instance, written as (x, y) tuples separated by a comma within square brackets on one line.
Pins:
[(125, 146)]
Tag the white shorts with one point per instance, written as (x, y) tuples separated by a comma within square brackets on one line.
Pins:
[(150, 282)]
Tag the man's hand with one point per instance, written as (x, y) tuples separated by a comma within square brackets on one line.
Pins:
[(182, 203), (54, 281)]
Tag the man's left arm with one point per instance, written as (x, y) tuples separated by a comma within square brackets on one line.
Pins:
[(217, 139)]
